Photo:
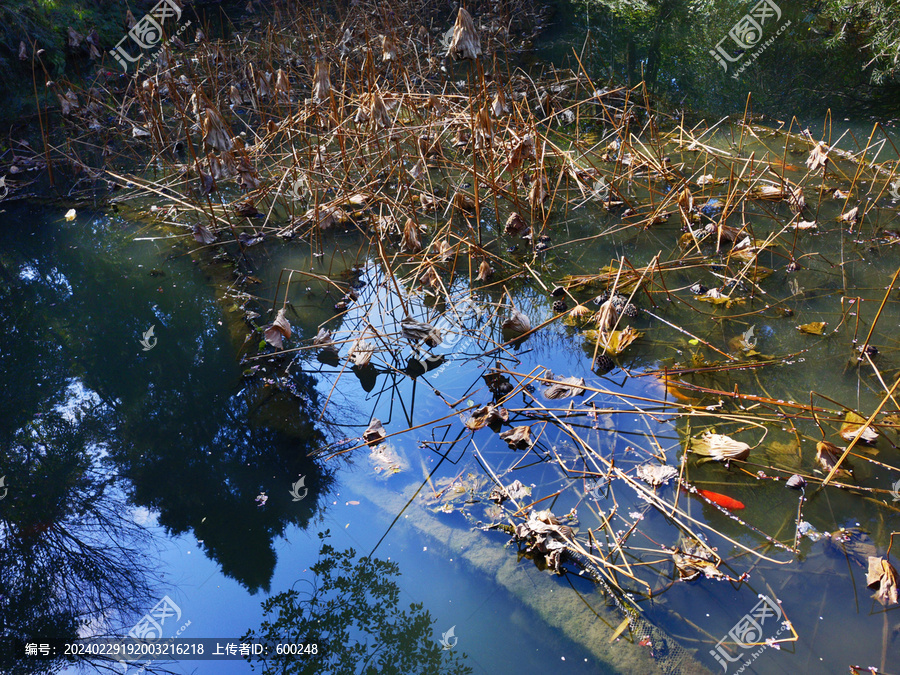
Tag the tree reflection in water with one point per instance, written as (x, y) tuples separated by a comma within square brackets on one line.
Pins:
[(95, 428), (353, 617)]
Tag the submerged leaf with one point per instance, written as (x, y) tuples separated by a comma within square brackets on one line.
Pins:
[(386, 462), (416, 331), (853, 543), (566, 387), (745, 342), (615, 342), (719, 447), (828, 454), (814, 328)]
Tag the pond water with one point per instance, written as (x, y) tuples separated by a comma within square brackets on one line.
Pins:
[(233, 461)]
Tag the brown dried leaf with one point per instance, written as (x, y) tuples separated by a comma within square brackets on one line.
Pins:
[(75, 37), (538, 194), (882, 578), (485, 271), (606, 317), (814, 328), (410, 240), (487, 415), (516, 323), (686, 204), (818, 156), (277, 330), (767, 192), (828, 454), (374, 433), (852, 216), (203, 235), (465, 43), (518, 438), (566, 387), (389, 49), (416, 331), (323, 339), (693, 559), (515, 223), (499, 107), (214, 133), (322, 81), (797, 201)]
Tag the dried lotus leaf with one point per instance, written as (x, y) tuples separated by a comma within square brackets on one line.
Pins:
[(882, 578), (416, 331), (374, 433), (277, 330), (852, 424), (566, 387), (814, 328), (828, 454), (656, 474), (487, 415), (517, 323), (518, 438), (719, 447)]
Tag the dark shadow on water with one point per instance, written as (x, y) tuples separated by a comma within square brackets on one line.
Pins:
[(95, 427)]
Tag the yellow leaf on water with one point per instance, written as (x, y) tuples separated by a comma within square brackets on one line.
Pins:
[(852, 424), (70, 214), (614, 342), (814, 328)]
